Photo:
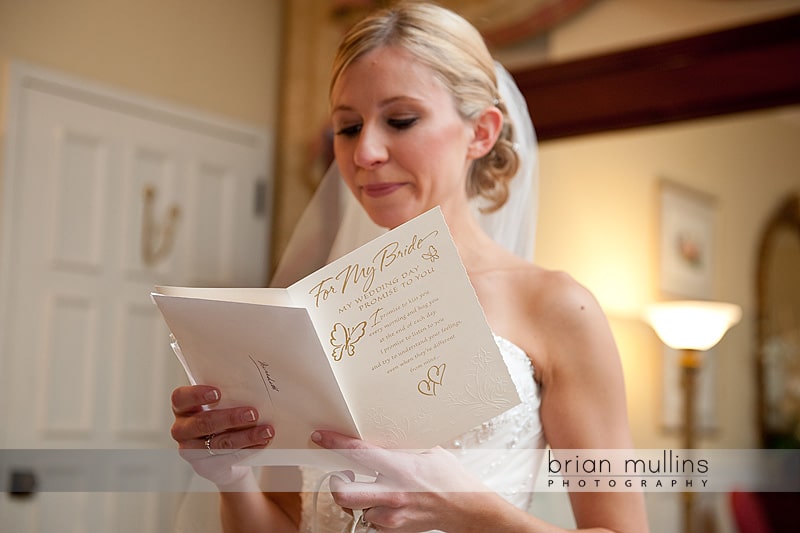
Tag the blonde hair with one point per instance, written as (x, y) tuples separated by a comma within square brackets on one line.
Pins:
[(452, 47)]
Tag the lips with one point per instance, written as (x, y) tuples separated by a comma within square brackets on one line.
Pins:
[(376, 190)]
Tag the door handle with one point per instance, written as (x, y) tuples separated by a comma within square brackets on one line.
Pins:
[(157, 237), (22, 483)]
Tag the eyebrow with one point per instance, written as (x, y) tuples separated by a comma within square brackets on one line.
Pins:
[(383, 103)]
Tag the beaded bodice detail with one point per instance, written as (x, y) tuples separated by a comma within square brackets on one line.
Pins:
[(504, 452)]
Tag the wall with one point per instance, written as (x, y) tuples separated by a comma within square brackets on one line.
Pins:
[(202, 54), (610, 25), (311, 38)]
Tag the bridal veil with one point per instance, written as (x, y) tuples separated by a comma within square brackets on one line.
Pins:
[(334, 223)]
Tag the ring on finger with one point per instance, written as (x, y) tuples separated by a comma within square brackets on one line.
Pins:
[(363, 522), (207, 441)]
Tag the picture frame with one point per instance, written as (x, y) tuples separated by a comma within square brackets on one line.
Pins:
[(686, 241)]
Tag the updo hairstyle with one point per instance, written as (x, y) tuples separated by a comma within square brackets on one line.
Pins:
[(452, 47)]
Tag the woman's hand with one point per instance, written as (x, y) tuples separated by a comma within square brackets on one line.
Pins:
[(231, 433), (412, 492)]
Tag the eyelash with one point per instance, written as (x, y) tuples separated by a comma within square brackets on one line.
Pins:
[(398, 124), (349, 131), (402, 123)]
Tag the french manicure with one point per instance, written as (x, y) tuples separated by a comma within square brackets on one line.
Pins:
[(249, 416), (211, 396)]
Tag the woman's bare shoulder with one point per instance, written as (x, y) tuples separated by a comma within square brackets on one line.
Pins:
[(541, 310), (559, 294), (544, 292)]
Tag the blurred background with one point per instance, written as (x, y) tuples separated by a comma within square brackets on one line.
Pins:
[(177, 142)]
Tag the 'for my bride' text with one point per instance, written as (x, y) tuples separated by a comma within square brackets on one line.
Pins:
[(356, 275)]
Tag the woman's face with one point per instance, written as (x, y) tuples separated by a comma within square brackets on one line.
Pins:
[(399, 142)]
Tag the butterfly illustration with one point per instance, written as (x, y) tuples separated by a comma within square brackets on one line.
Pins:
[(432, 254), (344, 339)]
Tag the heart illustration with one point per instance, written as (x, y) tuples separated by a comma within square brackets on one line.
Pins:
[(426, 387), (436, 373), (435, 376)]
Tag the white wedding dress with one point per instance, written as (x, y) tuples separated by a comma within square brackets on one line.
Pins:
[(504, 452)]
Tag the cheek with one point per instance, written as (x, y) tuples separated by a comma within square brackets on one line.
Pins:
[(452, 138), (344, 160), (346, 172), (444, 151), (437, 145), (339, 149)]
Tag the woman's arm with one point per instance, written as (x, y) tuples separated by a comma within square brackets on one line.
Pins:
[(583, 397)]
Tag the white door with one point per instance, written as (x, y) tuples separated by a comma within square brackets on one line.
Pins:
[(85, 361)]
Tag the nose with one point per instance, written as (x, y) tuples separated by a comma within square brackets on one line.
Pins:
[(370, 149)]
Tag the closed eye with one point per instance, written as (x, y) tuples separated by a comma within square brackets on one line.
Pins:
[(402, 123), (396, 123), (349, 131)]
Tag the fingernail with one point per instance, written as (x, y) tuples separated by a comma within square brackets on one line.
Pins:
[(267, 433), (316, 436), (212, 396), (249, 416)]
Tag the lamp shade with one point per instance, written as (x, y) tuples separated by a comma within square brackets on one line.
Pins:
[(692, 324)]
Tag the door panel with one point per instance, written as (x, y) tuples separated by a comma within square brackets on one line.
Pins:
[(91, 178)]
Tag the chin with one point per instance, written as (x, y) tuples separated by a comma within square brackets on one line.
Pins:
[(389, 222), (389, 217)]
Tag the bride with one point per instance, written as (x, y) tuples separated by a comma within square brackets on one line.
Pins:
[(422, 117)]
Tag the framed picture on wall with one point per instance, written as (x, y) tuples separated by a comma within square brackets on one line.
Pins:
[(686, 241)]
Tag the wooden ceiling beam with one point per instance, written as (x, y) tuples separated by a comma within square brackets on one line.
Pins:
[(740, 69)]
